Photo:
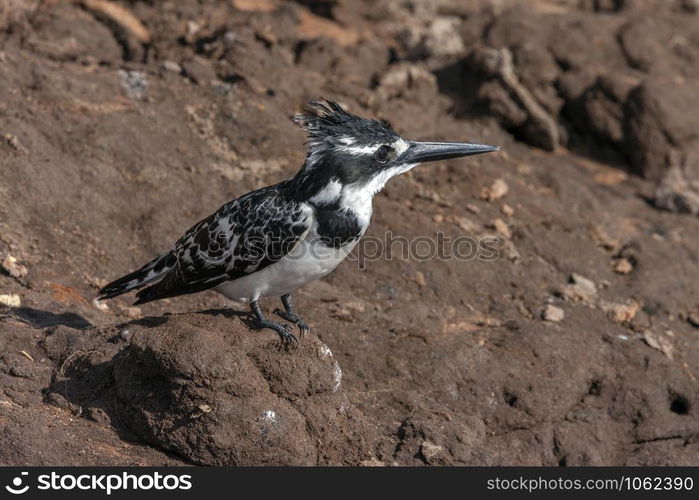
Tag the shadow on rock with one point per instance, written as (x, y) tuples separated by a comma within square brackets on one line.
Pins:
[(38, 318), (205, 387)]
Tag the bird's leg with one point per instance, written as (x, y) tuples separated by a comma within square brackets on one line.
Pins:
[(290, 314), (286, 336)]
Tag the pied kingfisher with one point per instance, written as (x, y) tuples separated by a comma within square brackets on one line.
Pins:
[(275, 239)]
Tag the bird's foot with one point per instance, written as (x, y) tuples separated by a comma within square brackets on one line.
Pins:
[(293, 318), (287, 338)]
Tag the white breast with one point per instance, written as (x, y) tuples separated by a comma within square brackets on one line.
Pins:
[(309, 261)]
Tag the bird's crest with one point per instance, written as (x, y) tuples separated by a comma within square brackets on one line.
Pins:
[(326, 119)]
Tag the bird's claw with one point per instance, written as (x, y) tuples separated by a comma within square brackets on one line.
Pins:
[(288, 339), (293, 318)]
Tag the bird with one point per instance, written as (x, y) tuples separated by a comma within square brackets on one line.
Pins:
[(271, 241)]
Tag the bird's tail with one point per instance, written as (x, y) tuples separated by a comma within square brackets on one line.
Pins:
[(152, 271)]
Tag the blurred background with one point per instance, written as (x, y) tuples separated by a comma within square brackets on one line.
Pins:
[(122, 123)]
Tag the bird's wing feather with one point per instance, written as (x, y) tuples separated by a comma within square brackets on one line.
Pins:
[(242, 237)]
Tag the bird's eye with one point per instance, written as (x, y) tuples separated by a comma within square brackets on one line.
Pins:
[(382, 153)]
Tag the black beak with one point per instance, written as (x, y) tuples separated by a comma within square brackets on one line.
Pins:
[(419, 152)]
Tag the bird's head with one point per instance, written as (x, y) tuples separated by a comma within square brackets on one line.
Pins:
[(345, 150)]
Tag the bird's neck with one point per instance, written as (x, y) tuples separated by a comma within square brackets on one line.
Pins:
[(348, 198), (333, 189)]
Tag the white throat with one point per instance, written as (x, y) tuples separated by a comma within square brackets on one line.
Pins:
[(358, 197)]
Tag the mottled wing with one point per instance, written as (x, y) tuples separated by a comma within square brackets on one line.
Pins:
[(243, 236)]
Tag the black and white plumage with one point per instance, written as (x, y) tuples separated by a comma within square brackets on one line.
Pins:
[(276, 239)]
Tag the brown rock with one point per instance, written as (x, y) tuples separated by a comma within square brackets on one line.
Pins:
[(553, 313), (217, 395), (622, 266), (621, 313), (13, 268), (580, 288), (495, 191), (199, 70)]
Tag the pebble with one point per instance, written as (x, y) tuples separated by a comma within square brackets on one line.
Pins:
[(430, 451), (14, 143), (507, 210), (622, 266), (13, 268), (659, 342), (172, 66), (501, 227), (471, 207), (467, 224), (135, 83), (621, 313), (497, 190), (10, 300), (348, 310), (580, 288), (133, 312), (199, 70), (553, 314)]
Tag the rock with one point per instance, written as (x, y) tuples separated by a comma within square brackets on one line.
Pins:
[(311, 27), (512, 100), (580, 289), (600, 108), (65, 32), (621, 313), (507, 210), (443, 38), (420, 433), (133, 312), (319, 55), (622, 266), (430, 451), (347, 310), (125, 334), (660, 117), (553, 313), (13, 268), (473, 208), (502, 228), (405, 76), (659, 342), (678, 193), (134, 82), (466, 224), (101, 305), (198, 70), (14, 142), (172, 67), (10, 300), (207, 388), (495, 191), (510, 251)]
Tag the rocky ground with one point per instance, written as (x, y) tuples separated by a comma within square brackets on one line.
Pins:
[(122, 123)]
